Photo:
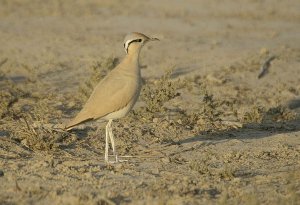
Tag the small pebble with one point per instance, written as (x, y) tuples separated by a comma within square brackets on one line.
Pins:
[(1, 173), (155, 171), (155, 120), (165, 160), (264, 51), (179, 122)]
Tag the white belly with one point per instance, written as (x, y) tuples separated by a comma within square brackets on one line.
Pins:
[(118, 114)]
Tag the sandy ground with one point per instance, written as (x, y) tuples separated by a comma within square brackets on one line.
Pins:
[(209, 132)]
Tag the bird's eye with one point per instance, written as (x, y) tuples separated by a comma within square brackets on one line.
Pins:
[(139, 40)]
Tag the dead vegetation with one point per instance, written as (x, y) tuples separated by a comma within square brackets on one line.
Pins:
[(157, 93), (27, 113), (10, 94), (30, 116), (208, 115), (266, 115), (34, 109), (219, 135)]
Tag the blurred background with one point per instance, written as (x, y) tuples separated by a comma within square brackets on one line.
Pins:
[(219, 131)]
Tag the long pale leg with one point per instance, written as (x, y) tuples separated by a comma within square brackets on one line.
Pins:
[(106, 142), (112, 140)]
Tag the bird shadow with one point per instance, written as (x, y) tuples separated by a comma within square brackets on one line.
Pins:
[(247, 131), (178, 72)]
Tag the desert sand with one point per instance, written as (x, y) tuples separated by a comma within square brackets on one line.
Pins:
[(206, 129)]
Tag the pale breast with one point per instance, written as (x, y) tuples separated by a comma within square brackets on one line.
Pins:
[(124, 111)]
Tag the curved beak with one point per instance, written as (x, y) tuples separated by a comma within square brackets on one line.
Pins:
[(153, 39)]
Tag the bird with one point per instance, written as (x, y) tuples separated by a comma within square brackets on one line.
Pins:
[(115, 95)]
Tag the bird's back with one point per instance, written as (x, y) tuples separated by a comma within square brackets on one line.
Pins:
[(118, 89)]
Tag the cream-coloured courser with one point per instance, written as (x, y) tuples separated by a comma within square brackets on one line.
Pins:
[(117, 93)]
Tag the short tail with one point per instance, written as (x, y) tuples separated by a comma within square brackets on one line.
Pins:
[(75, 122)]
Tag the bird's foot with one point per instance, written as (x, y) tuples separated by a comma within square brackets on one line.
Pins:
[(117, 160)]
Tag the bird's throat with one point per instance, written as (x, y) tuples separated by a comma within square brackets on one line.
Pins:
[(133, 58)]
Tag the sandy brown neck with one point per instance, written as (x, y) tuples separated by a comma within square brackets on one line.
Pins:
[(133, 54)]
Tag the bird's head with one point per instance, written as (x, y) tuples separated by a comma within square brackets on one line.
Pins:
[(135, 41)]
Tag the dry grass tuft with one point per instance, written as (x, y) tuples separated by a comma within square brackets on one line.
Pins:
[(29, 115), (264, 115), (207, 168), (10, 94), (254, 115), (279, 114), (208, 115), (37, 135), (156, 94)]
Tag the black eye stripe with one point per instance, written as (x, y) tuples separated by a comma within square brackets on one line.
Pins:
[(136, 40)]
